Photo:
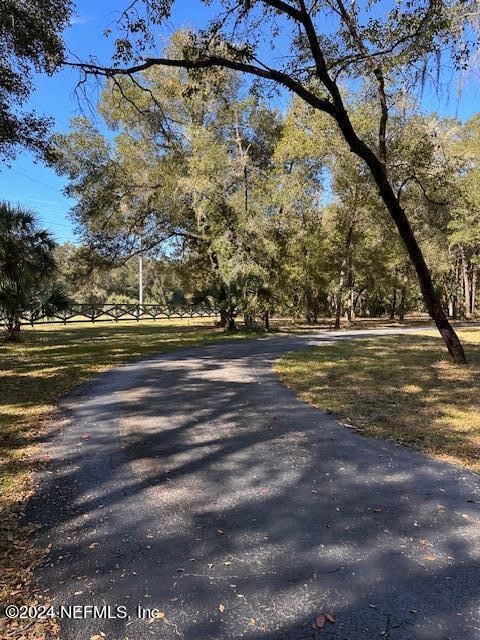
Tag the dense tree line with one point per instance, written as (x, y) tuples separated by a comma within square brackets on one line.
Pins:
[(262, 212), (204, 172), (320, 52)]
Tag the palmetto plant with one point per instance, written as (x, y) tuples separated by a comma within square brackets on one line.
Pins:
[(27, 269)]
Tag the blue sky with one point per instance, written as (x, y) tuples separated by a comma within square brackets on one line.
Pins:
[(40, 188), (34, 184)]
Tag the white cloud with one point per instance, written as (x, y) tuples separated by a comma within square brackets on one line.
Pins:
[(79, 20)]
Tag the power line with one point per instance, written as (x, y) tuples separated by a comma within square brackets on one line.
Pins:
[(56, 224), (64, 238), (24, 175), (42, 212), (40, 204)]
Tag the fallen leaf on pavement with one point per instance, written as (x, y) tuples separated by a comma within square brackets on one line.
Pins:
[(157, 615), (320, 621), (221, 608)]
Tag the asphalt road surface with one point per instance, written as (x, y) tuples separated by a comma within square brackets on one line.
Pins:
[(196, 484)]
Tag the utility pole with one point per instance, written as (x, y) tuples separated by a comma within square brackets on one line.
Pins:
[(140, 278)]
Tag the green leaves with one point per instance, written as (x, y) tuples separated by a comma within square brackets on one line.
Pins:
[(188, 172), (30, 41), (27, 269)]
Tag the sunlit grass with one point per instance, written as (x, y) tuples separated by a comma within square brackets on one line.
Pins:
[(53, 359), (34, 374), (402, 388)]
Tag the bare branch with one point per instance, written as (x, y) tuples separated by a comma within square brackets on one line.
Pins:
[(284, 7), (418, 181), (375, 68), (209, 62)]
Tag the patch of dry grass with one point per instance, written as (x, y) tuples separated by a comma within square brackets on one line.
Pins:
[(53, 359), (300, 325), (34, 374), (402, 388)]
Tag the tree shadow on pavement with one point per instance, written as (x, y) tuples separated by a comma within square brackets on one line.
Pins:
[(199, 485)]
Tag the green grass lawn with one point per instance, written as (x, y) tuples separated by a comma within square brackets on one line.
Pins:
[(402, 388), (53, 359), (34, 374)]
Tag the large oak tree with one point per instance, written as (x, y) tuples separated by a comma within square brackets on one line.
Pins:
[(319, 46)]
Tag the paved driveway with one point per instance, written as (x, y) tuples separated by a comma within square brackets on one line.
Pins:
[(195, 483)]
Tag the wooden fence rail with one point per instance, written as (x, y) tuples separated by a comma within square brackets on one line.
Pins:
[(116, 312)]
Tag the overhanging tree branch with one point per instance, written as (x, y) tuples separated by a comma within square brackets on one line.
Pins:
[(425, 195), (335, 107), (284, 7), (210, 62)]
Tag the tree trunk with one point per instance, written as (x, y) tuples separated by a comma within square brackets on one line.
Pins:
[(393, 308), (248, 321), (401, 309), (395, 209), (458, 289), (162, 296), (231, 325), (351, 281), (451, 308), (266, 320), (356, 300), (223, 318), (467, 305), (312, 307), (351, 305), (12, 328), (343, 272), (431, 299), (474, 289), (339, 294), (430, 296)]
